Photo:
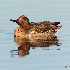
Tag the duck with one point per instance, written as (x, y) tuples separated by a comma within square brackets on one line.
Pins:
[(35, 30)]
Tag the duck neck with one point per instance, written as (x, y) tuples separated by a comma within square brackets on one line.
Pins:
[(27, 27)]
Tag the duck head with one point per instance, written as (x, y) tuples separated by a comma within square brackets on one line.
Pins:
[(23, 22)]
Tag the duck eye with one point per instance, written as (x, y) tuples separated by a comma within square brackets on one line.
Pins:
[(26, 19)]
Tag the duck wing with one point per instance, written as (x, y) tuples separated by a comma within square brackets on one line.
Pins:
[(45, 26)]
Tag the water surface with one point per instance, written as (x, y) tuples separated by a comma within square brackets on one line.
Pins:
[(38, 58)]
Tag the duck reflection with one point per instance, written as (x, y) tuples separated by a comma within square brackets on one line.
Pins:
[(23, 47), (24, 44)]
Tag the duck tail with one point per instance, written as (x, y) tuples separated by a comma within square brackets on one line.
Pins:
[(56, 23)]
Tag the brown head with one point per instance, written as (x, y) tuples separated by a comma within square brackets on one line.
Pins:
[(23, 22)]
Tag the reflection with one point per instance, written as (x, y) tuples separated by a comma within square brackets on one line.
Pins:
[(24, 45), (23, 48)]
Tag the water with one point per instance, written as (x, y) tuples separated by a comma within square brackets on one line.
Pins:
[(38, 58)]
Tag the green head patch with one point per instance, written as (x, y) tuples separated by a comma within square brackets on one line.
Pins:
[(26, 19)]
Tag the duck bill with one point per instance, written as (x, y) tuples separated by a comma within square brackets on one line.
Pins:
[(15, 21)]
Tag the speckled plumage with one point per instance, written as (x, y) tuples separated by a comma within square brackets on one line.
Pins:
[(36, 30)]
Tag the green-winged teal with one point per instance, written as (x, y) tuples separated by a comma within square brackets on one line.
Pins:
[(36, 30)]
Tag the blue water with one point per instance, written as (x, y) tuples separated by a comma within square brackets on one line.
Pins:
[(38, 58)]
